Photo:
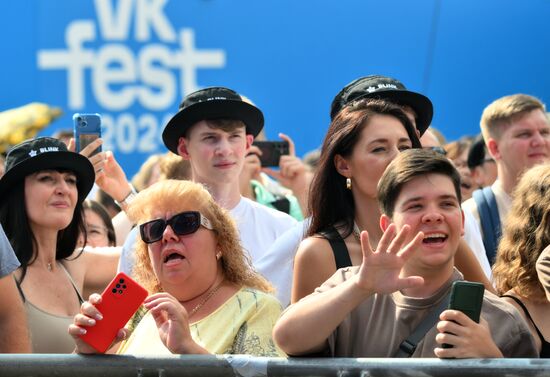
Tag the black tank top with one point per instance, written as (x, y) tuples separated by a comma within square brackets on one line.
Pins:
[(339, 248), (545, 346)]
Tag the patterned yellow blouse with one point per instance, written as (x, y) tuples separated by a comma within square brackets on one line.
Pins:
[(242, 325)]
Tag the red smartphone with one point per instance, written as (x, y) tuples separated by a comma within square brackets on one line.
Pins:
[(120, 300)]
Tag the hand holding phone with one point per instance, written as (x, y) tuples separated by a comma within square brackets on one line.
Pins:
[(272, 151), (467, 297), (87, 128), (119, 301)]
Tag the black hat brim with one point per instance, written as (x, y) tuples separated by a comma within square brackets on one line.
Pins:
[(418, 102), (214, 109), (71, 161)]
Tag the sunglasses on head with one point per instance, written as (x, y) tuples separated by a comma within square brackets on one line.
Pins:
[(183, 223)]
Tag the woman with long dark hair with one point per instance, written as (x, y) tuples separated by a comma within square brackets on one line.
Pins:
[(362, 140), (41, 212)]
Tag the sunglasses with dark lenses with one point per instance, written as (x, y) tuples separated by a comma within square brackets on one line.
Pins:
[(183, 223)]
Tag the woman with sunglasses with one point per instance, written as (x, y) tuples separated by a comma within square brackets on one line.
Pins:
[(206, 297), (41, 212)]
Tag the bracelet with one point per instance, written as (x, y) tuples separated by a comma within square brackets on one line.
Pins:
[(128, 199)]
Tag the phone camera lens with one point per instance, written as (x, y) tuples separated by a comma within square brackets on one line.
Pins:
[(120, 291), (84, 124), (79, 119), (114, 290), (118, 285), (124, 286), (121, 281)]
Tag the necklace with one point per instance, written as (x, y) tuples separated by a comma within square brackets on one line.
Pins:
[(356, 232), (208, 297), (49, 267)]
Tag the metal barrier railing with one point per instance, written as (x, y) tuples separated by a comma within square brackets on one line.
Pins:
[(36, 365)]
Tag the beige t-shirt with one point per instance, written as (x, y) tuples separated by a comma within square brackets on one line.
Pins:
[(242, 325), (380, 323)]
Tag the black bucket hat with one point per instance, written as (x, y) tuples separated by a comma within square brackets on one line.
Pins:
[(211, 103), (45, 153), (383, 87)]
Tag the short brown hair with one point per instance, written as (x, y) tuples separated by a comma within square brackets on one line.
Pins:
[(408, 165), (505, 110)]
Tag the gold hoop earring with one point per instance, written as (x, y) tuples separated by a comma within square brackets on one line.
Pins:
[(348, 183)]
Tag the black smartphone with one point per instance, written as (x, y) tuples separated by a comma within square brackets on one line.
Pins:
[(87, 128), (467, 297), (272, 151)]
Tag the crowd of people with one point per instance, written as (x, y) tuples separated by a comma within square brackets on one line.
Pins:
[(345, 253)]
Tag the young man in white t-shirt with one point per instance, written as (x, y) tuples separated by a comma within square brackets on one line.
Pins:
[(214, 130)]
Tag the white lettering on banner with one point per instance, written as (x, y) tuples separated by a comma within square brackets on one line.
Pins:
[(128, 134), (120, 76)]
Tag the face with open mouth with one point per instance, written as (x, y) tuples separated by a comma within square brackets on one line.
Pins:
[(183, 259), (429, 204)]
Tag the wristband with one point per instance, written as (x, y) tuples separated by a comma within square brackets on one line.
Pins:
[(128, 199)]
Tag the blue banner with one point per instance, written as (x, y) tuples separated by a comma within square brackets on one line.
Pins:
[(134, 60)]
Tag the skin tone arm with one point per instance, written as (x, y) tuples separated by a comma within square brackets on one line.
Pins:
[(467, 263), (305, 326), (13, 321), (109, 175), (313, 265)]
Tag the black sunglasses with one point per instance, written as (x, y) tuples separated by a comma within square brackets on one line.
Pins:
[(183, 223), (439, 150)]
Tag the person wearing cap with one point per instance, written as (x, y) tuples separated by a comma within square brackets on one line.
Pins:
[(361, 141), (213, 130), (516, 132), (482, 166), (41, 212), (13, 324), (419, 109)]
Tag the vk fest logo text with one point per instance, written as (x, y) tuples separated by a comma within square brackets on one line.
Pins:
[(121, 77)]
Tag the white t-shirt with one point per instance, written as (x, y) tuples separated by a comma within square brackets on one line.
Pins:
[(473, 238), (277, 264), (259, 227)]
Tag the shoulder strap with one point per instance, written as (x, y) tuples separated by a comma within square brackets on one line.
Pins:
[(408, 346), (18, 284), (522, 305), (338, 246), (72, 283), (490, 220)]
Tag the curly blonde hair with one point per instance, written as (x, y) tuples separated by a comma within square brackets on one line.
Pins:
[(178, 196), (526, 232)]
